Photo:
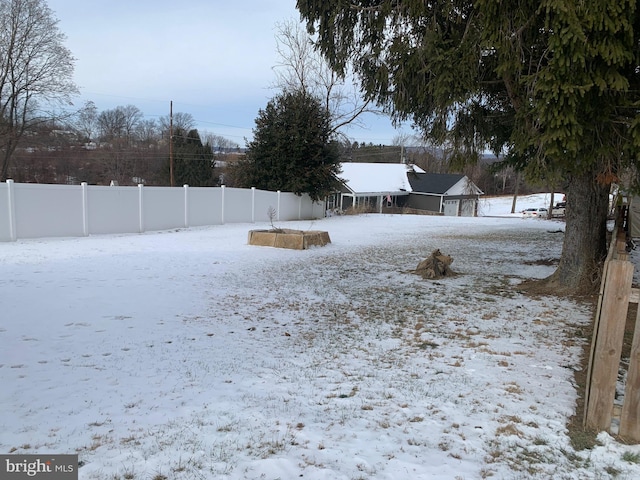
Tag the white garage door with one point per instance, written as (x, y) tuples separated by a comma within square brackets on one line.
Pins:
[(451, 208)]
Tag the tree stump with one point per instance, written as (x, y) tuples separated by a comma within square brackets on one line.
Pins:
[(435, 266)]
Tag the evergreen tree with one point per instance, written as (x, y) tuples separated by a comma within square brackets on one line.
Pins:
[(292, 150), (193, 162), (554, 84)]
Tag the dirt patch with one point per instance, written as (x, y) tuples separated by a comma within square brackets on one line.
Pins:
[(581, 438), (546, 262)]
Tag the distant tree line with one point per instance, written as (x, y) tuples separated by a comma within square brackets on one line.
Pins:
[(123, 146), (119, 145)]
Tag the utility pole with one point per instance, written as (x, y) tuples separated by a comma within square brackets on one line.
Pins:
[(172, 182)]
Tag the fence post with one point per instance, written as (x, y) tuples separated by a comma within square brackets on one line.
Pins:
[(140, 208), (608, 345), (278, 210), (13, 234), (85, 210), (186, 205), (222, 189), (630, 417), (253, 204), (300, 208)]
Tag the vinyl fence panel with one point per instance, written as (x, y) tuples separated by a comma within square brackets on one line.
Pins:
[(38, 210), (204, 206), (263, 201), (162, 208), (48, 210), (112, 209), (306, 210), (237, 205), (289, 206)]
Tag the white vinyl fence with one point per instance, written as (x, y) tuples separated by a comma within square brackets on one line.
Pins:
[(36, 210)]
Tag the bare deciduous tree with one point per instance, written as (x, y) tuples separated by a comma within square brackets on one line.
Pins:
[(147, 131), (302, 68), (120, 122), (35, 70), (111, 124), (86, 122), (181, 121), (218, 143), (132, 117)]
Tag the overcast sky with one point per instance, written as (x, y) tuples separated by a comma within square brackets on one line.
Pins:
[(212, 58)]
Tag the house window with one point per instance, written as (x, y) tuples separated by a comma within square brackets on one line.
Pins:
[(331, 202)]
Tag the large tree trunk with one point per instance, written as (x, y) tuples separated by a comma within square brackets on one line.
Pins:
[(515, 193), (585, 242)]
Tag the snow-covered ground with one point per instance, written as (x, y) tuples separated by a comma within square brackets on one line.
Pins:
[(191, 355)]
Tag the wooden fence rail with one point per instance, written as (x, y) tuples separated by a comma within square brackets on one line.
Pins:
[(616, 293)]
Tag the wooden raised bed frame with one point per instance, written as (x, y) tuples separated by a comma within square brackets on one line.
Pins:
[(286, 238)]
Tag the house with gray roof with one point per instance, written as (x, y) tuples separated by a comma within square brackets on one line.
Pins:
[(372, 186), (381, 187)]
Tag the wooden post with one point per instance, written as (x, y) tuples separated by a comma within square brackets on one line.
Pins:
[(608, 344), (621, 245), (596, 328), (630, 418)]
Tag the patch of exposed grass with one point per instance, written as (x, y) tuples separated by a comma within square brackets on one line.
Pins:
[(513, 388), (631, 457), (540, 441), (583, 439), (613, 471), (509, 429)]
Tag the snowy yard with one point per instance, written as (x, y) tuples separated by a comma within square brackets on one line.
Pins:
[(192, 355)]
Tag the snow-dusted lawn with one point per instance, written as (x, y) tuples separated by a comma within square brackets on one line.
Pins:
[(192, 355)]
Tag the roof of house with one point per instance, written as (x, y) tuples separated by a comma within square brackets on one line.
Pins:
[(401, 179), (443, 184), (377, 178), (438, 183)]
